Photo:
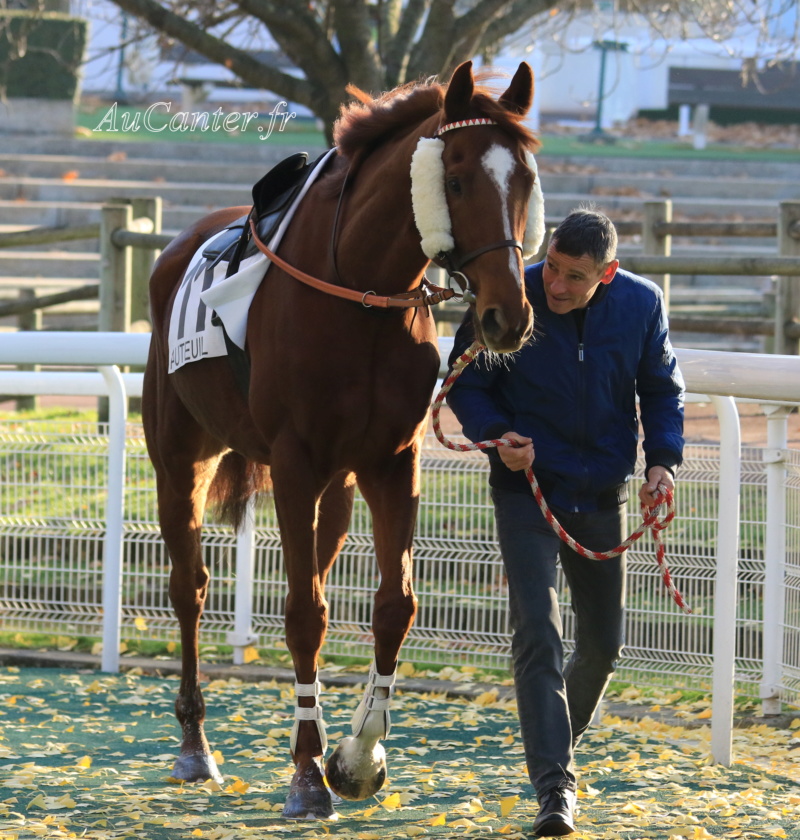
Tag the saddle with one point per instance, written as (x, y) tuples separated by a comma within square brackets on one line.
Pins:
[(272, 197)]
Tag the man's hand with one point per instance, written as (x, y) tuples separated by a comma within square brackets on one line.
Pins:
[(659, 480), (517, 457)]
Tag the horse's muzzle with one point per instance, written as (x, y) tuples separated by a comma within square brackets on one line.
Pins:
[(501, 336)]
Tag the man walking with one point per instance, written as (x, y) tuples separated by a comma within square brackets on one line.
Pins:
[(568, 400)]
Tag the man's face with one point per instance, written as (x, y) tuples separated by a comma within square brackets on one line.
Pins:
[(570, 282)]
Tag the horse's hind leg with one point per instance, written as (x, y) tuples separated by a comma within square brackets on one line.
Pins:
[(312, 536), (357, 768), (185, 461)]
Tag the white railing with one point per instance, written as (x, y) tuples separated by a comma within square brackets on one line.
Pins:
[(721, 376)]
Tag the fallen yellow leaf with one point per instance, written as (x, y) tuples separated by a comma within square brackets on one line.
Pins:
[(211, 786), (507, 805), (392, 802)]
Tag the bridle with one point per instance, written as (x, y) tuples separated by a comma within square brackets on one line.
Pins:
[(427, 293), (447, 260), (453, 266)]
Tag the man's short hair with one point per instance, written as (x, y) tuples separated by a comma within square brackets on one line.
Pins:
[(587, 231)]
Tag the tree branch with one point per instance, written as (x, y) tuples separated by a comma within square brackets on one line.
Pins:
[(356, 44), (478, 17), (518, 14), (432, 51), (397, 52), (300, 35), (247, 68)]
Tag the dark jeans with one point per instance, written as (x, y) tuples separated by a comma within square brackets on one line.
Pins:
[(556, 702)]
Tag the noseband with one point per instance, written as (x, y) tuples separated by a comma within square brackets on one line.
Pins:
[(453, 266)]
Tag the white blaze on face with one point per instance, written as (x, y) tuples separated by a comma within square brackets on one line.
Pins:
[(499, 163)]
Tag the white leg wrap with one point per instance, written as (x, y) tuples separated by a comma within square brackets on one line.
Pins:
[(312, 713), (377, 702)]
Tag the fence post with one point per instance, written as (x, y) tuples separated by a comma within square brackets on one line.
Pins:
[(788, 302), (115, 271), (774, 457), (726, 581), (142, 259), (31, 320), (655, 244)]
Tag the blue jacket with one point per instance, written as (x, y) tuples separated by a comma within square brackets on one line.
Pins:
[(573, 389)]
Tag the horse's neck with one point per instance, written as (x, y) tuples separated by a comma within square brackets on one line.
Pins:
[(379, 241)]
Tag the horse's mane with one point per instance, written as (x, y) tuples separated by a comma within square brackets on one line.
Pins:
[(366, 123)]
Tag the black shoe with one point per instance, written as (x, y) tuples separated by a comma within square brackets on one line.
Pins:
[(555, 813)]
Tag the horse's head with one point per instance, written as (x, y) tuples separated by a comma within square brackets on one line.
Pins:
[(478, 205)]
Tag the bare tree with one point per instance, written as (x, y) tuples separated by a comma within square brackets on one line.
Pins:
[(374, 44), (378, 44)]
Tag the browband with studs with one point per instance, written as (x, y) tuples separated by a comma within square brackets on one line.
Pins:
[(463, 124)]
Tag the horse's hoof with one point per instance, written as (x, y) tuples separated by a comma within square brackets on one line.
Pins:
[(308, 798), (356, 772), (198, 767), (309, 804)]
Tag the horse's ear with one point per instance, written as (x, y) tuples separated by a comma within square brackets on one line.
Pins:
[(519, 96), (459, 93)]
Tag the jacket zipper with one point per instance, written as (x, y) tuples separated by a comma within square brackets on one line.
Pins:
[(581, 390)]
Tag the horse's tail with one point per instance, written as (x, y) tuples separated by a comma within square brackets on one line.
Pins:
[(237, 479)]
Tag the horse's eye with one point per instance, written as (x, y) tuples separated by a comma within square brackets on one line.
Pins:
[(454, 186)]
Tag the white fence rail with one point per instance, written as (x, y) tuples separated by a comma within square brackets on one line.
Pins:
[(84, 555)]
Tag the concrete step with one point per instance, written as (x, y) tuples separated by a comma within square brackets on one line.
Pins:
[(11, 284), (76, 264), (689, 207), (675, 167), (731, 344), (266, 152), (589, 180), (646, 185), (210, 195), (117, 168), (68, 213), (215, 195)]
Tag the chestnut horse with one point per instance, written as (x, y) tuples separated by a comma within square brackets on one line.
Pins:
[(339, 390)]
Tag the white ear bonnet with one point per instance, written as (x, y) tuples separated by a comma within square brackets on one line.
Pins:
[(534, 227), (428, 197), (429, 202)]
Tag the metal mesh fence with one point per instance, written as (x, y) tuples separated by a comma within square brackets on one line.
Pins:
[(52, 498)]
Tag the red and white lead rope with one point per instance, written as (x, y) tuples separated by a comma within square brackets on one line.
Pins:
[(650, 516)]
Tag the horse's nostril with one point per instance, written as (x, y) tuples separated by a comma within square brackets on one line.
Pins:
[(494, 323)]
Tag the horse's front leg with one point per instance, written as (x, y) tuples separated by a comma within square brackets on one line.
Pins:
[(312, 535), (357, 768)]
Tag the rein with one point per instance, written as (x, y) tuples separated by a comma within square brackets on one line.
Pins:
[(650, 516), (425, 294)]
